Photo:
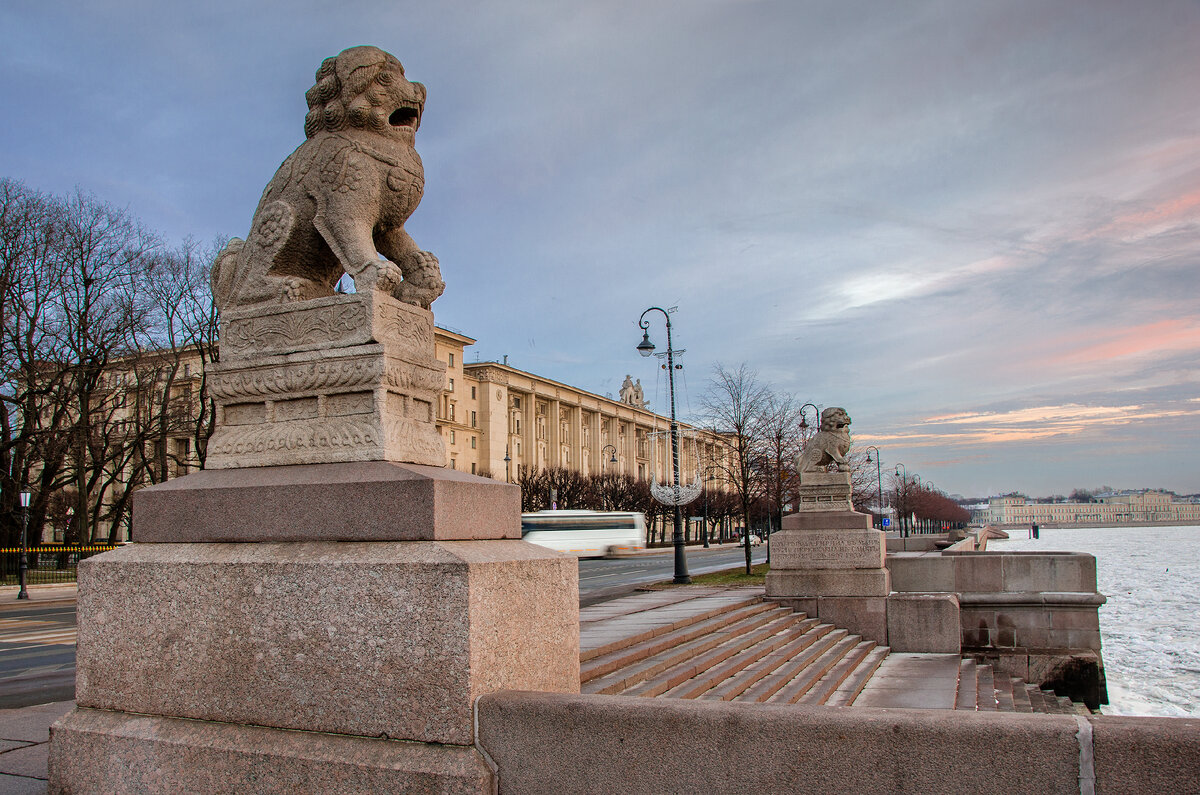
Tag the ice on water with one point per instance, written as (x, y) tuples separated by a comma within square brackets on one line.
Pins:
[(1149, 627)]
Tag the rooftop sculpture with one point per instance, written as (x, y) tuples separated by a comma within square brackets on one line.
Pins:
[(342, 196)]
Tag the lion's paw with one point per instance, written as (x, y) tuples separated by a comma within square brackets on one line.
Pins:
[(422, 280)]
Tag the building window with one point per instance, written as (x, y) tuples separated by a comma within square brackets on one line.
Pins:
[(518, 426), (516, 403), (472, 419), (472, 442), (472, 393), (450, 359), (452, 412), (472, 469), (451, 384), (518, 448), (451, 437), (453, 464)]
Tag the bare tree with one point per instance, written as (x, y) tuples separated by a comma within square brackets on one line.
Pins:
[(735, 407), (781, 442)]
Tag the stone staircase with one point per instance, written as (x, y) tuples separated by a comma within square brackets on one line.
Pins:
[(729, 644), (985, 690), (737, 649)]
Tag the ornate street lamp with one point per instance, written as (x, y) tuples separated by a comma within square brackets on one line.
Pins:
[(605, 449), (507, 466), (878, 478), (645, 348), (24, 565), (816, 417)]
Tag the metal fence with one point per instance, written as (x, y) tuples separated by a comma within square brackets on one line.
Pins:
[(49, 563)]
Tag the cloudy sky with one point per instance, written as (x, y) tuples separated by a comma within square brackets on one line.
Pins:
[(973, 224)]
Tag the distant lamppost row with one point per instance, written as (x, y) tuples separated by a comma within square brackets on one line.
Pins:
[(24, 565), (645, 348), (878, 479), (903, 521)]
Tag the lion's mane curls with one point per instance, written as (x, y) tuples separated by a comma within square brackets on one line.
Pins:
[(348, 91)]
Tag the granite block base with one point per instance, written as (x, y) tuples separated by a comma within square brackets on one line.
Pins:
[(358, 501), (828, 582), (374, 639), (924, 622), (113, 753)]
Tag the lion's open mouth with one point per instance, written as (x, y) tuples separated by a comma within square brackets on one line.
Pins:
[(404, 117)]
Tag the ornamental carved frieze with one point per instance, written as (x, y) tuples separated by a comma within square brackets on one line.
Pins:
[(288, 379), (325, 375), (330, 434), (491, 374), (292, 330)]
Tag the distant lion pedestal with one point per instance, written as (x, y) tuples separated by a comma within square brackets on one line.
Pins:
[(828, 560)]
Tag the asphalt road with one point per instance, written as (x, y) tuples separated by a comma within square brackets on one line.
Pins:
[(37, 654), (605, 579), (37, 642)]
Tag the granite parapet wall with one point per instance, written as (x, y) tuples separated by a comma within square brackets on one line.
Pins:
[(541, 742)]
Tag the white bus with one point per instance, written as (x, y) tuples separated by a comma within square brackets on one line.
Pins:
[(585, 534)]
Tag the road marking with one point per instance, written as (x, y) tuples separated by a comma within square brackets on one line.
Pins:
[(44, 637)]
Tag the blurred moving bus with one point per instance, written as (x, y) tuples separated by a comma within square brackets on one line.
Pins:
[(586, 534)]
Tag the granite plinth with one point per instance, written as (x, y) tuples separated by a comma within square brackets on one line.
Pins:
[(360, 638), (828, 582), (924, 622), (112, 753), (841, 548), (827, 520), (823, 492), (361, 501), (342, 378)]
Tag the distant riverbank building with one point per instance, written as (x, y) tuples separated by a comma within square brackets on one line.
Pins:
[(1126, 507)]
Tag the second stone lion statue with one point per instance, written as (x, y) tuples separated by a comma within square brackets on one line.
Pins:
[(830, 445), (341, 197)]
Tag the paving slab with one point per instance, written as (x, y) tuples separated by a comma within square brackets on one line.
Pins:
[(913, 681)]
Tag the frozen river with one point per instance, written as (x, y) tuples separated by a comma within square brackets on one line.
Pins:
[(1149, 628)]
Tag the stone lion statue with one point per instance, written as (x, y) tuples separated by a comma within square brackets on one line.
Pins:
[(830, 445), (341, 199)]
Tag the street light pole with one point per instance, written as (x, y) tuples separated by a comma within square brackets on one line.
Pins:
[(878, 480), (816, 417), (507, 466), (645, 348), (903, 482), (24, 565)]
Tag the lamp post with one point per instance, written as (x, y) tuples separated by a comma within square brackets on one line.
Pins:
[(507, 466), (816, 417), (903, 482), (605, 449), (24, 565), (645, 348), (878, 479)]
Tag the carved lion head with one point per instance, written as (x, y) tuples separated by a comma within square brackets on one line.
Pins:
[(834, 419), (364, 87)]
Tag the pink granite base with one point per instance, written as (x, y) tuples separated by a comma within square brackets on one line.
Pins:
[(113, 753), (359, 501), (828, 582), (392, 639)]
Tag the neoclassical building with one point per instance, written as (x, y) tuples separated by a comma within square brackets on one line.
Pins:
[(491, 411), (1117, 508)]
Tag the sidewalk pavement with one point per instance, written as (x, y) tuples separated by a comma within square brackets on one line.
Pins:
[(38, 594), (24, 746)]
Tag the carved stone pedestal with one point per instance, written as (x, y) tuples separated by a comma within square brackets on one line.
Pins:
[(344, 378), (828, 560)]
